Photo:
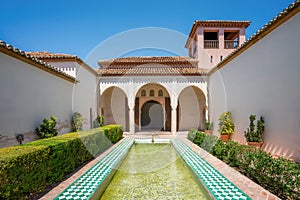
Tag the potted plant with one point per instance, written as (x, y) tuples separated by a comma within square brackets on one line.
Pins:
[(226, 126), (208, 127), (254, 137), (77, 122)]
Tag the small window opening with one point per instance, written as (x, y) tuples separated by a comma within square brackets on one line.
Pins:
[(143, 93), (151, 93), (160, 93)]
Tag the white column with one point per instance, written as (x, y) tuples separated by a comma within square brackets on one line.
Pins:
[(242, 36), (173, 121), (174, 103), (221, 41), (131, 105), (131, 121)]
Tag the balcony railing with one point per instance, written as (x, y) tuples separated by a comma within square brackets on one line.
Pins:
[(211, 44), (229, 44)]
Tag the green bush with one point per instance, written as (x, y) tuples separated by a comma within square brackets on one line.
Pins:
[(98, 122), (191, 134), (77, 122), (113, 132), (278, 175), (31, 167), (47, 128)]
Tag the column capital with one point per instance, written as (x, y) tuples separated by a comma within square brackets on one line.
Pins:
[(174, 104), (131, 103)]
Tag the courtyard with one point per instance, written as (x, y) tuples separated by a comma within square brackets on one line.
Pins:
[(151, 113)]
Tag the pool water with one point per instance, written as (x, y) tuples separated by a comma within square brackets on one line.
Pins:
[(154, 171)]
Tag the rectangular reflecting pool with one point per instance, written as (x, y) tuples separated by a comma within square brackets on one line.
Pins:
[(154, 171)]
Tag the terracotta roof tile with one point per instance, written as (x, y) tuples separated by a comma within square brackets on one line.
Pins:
[(9, 49), (168, 65), (49, 55), (222, 23), (134, 61), (60, 58)]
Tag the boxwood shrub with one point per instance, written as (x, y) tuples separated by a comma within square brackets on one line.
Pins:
[(278, 175), (29, 168)]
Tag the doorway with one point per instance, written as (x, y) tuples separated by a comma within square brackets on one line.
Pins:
[(152, 116)]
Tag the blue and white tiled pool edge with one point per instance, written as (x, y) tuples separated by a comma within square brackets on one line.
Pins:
[(218, 186), (87, 186), (93, 182)]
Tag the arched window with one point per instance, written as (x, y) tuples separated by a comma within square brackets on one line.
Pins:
[(160, 93), (143, 93), (151, 93)]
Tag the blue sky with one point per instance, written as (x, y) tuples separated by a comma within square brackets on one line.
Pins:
[(77, 26)]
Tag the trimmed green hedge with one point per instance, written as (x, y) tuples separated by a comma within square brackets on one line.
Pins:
[(31, 167), (278, 175)]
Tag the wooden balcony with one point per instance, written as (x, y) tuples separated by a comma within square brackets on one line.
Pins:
[(211, 44), (229, 44)]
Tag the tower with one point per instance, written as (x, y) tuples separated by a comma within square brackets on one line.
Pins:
[(211, 41)]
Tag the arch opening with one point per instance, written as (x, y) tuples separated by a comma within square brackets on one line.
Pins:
[(191, 109), (114, 107), (153, 111), (152, 116)]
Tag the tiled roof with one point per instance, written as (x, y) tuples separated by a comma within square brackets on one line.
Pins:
[(215, 23), (168, 65), (287, 13), (134, 61), (17, 53), (222, 23), (60, 57), (46, 55)]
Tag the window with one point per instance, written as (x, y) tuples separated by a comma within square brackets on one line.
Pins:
[(151, 93), (231, 39), (211, 39), (160, 93), (143, 93)]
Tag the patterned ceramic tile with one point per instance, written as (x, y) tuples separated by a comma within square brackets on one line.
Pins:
[(86, 185), (219, 186)]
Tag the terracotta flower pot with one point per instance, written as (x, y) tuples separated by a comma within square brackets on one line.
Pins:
[(208, 131), (255, 144), (224, 138)]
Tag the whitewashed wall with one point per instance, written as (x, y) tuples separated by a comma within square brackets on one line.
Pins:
[(84, 93), (264, 80), (27, 95)]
